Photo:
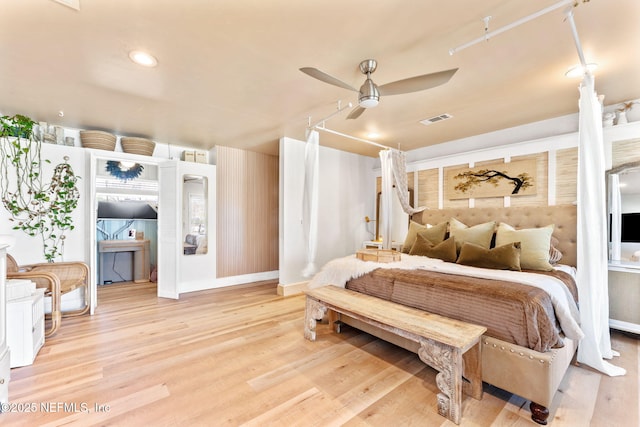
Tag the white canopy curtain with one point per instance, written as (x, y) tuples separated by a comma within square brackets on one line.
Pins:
[(310, 200), (592, 274), (393, 164)]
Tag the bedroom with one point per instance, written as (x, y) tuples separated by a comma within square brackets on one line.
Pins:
[(350, 180)]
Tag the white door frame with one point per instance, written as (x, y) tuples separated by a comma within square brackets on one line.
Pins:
[(91, 211)]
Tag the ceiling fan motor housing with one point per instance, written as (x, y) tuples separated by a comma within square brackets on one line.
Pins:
[(369, 95)]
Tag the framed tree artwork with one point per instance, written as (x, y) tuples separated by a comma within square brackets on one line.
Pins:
[(493, 180)]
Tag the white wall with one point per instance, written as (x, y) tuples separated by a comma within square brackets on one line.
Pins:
[(346, 196), (28, 249)]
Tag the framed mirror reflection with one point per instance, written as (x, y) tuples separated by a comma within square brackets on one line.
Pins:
[(194, 229)]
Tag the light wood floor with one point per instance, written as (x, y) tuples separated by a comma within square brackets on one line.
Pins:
[(237, 356)]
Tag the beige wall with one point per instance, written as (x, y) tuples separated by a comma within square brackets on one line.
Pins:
[(247, 212)]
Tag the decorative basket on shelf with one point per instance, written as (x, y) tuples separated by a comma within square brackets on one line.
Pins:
[(98, 139), (133, 145)]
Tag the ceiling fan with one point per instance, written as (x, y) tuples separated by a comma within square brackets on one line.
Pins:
[(369, 93)]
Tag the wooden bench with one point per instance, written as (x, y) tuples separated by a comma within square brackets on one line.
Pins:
[(444, 342)]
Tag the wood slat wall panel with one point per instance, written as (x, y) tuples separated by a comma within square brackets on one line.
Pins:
[(247, 212), (428, 188), (566, 176), (625, 152)]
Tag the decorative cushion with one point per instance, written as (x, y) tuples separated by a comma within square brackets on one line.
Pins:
[(445, 250), (480, 234), (535, 245), (435, 234), (506, 257), (554, 254)]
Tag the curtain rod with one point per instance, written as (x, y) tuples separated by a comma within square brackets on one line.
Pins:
[(338, 111), (520, 21), (576, 39), (366, 141)]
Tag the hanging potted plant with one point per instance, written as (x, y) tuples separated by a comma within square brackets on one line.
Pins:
[(36, 207)]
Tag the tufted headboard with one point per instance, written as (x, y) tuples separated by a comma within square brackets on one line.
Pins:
[(564, 217)]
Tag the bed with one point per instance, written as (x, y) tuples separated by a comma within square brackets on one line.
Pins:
[(529, 362)]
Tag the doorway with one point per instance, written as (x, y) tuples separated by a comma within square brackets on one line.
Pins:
[(123, 236)]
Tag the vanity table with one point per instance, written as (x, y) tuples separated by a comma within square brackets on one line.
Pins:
[(624, 296), (140, 249)]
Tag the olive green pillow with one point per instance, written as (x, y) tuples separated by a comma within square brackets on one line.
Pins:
[(506, 257), (434, 234), (536, 244), (445, 250), (480, 234)]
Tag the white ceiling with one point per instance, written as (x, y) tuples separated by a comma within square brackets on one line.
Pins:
[(228, 69)]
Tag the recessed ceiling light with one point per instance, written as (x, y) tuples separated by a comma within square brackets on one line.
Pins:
[(143, 58), (578, 71), (373, 135)]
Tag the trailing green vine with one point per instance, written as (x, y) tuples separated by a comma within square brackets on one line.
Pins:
[(36, 207)]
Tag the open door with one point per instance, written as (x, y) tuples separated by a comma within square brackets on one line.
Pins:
[(169, 228)]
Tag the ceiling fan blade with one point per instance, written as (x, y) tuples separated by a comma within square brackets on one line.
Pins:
[(356, 112), (324, 77), (417, 83)]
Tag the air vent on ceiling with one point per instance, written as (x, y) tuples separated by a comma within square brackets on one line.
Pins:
[(436, 119)]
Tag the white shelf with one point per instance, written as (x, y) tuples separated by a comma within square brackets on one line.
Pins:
[(625, 266)]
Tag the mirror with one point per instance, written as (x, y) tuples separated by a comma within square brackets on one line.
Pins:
[(194, 215), (623, 184)]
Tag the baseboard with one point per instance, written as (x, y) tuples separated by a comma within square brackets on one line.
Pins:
[(220, 282), (292, 288), (624, 326)]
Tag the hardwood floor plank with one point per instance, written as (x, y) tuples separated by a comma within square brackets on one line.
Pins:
[(237, 356)]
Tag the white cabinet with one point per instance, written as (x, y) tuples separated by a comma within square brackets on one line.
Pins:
[(25, 328), (5, 372), (624, 296)]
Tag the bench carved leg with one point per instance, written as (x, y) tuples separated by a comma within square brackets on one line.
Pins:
[(447, 360), (313, 312)]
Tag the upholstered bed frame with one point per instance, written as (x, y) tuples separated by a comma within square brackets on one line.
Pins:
[(530, 374)]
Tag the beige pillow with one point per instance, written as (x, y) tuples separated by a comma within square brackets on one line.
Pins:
[(445, 250), (435, 234), (535, 245), (506, 257), (480, 234)]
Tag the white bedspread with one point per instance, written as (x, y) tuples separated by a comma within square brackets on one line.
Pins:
[(340, 270)]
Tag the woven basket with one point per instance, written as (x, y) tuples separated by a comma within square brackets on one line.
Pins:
[(98, 139), (134, 145)]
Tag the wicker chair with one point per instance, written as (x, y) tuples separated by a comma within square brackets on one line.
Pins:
[(58, 278)]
